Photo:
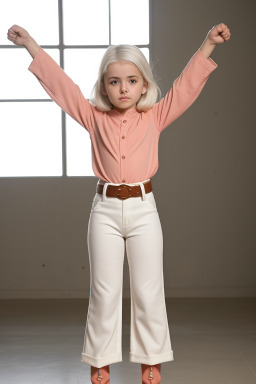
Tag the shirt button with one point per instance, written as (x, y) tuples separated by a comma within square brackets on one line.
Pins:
[(123, 137), (123, 180), (123, 157), (124, 121)]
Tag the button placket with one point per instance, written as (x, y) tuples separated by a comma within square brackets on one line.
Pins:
[(122, 150)]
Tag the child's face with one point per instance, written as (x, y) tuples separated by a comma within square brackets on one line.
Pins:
[(124, 85)]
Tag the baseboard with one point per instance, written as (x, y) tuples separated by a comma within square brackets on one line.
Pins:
[(219, 291)]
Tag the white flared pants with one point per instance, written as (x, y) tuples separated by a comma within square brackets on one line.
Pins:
[(114, 225)]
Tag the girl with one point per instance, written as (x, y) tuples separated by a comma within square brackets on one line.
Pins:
[(124, 123)]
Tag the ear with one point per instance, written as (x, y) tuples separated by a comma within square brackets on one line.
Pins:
[(102, 89), (145, 87)]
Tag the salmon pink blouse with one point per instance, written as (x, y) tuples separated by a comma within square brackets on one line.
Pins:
[(124, 146)]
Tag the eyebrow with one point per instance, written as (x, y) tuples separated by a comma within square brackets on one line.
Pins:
[(115, 77)]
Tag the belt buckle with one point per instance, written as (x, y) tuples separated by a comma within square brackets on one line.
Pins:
[(123, 193)]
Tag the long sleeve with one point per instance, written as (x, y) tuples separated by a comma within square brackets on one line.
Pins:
[(185, 90), (61, 88)]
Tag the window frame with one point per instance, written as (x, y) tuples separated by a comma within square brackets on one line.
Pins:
[(61, 47)]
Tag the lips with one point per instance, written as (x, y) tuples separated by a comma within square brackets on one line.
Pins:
[(124, 98)]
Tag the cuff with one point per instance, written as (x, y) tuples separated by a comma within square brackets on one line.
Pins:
[(208, 63), (38, 57)]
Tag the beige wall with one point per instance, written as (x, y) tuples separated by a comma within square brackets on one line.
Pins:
[(205, 187)]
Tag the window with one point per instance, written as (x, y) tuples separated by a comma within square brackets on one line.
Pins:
[(36, 137)]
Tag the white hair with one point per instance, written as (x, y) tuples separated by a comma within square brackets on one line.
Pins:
[(134, 55)]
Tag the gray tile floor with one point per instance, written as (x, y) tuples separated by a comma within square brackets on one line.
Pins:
[(214, 342)]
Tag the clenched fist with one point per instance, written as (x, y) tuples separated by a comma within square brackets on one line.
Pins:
[(219, 34), (18, 35)]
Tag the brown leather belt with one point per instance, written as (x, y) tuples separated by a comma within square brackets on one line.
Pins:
[(124, 191)]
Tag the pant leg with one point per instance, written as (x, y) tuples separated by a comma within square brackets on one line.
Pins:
[(149, 336), (102, 341)]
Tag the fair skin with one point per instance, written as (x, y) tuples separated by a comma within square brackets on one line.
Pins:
[(124, 85)]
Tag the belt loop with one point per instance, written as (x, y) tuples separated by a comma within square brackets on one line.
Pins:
[(142, 190), (97, 185), (104, 191)]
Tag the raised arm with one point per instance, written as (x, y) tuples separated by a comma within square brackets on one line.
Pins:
[(59, 86), (188, 86)]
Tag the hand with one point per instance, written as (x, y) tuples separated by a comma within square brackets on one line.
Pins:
[(219, 34), (18, 35)]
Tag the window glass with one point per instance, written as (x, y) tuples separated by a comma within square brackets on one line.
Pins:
[(79, 157), (91, 25), (39, 18), (82, 66), (129, 22), (30, 139), (17, 82), (145, 52)]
